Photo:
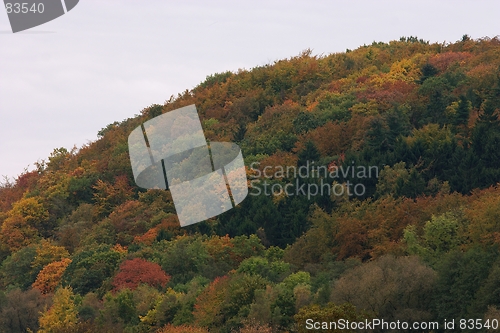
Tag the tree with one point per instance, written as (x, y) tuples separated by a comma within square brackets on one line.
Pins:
[(411, 187), (483, 214), (460, 276), (308, 155), (255, 327), (389, 287), (463, 111), (442, 234), (17, 271), (305, 121), (10, 192), (50, 276), (260, 309), (485, 142), (119, 310), (91, 267), (136, 271), (34, 212), (107, 196), (17, 233), (427, 71), (61, 317), (209, 303), (19, 310), (126, 307), (162, 309), (437, 88), (311, 247), (378, 135), (388, 179), (74, 227), (182, 258), (285, 302), (224, 300), (488, 293), (273, 271), (47, 252)]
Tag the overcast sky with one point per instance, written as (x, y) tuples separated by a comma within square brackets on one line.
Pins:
[(105, 60)]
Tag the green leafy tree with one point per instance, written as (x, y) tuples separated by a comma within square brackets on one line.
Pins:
[(17, 270), (441, 235), (460, 276), (273, 271), (92, 267)]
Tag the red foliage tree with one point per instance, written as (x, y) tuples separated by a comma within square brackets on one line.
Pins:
[(12, 192), (134, 272)]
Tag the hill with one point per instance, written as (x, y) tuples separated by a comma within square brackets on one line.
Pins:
[(373, 179)]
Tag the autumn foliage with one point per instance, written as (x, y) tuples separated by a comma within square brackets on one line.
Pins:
[(83, 249), (50, 276), (137, 271)]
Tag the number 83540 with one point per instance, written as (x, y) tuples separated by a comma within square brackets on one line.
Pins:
[(24, 8)]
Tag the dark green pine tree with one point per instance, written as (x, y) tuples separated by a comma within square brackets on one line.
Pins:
[(488, 294), (463, 112), (494, 95), (489, 115), (436, 108), (427, 71), (486, 130), (378, 135), (398, 124), (239, 135), (460, 276), (466, 175), (309, 153), (486, 143), (438, 90), (412, 187)]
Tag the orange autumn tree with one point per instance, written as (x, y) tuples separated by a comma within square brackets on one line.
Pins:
[(50, 276), (168, 228), (208, 304), (136, 271)]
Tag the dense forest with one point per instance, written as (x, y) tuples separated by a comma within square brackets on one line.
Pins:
[(83, 249)]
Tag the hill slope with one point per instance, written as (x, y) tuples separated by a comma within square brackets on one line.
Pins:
[(422, 117)]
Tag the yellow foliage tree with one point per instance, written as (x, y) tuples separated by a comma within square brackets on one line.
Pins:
[(61, 317), (46, 253), (31, 209)]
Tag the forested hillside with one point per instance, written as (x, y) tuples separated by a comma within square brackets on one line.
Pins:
[(83, 249)]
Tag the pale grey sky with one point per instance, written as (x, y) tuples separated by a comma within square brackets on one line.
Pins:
[(106, 60)]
